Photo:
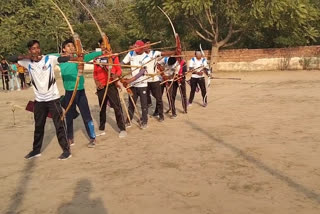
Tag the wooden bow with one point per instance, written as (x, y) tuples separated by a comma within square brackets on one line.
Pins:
[(177, 38), (79, 51), (106, 47)]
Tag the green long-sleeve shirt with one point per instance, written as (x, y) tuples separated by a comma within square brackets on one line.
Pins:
[(69, 72)]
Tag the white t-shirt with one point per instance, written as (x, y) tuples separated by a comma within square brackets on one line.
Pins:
[(151, 66), (42, 77), (137, 60), (195, 63), (169, 70)]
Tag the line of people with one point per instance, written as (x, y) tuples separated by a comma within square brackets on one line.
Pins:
[(13, 76), (152, 73)]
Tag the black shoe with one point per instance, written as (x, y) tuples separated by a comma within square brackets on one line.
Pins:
[(128, 124), (161, 118), (168, 111), (76, 114), (71, 142), (173, 116), (65, 155), (155, 114), (92, 143), (32, 154)]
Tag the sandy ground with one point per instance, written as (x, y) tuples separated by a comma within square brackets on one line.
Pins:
[(254, 149)]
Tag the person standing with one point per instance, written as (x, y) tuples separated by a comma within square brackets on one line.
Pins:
[(5, 74), (154, 86), (180, 83), (21, 73), (139, 84), (13, 77), (170, 68), (69, 73), (197, 78), (47, 98), (101, 78)]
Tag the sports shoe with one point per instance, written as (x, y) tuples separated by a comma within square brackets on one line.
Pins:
[(128, 124), (161, 118), (76, 114), (122, 134), (173, 116), (143, 126), (65, 155), (92, 143), (189, 104), (155, 114), (100, 133), (32, 154), (71, 142)]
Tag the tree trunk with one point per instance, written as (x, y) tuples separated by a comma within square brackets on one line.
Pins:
[(214, 58)]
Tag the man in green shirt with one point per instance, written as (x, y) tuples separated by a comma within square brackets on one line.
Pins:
[(69, 72)]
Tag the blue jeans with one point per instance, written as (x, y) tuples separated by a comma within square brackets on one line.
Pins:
[(82, 102)]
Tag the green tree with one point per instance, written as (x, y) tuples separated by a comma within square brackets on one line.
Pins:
[(224, 23), (22, 20)]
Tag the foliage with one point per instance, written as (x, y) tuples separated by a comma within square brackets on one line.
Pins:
[(221, 23)]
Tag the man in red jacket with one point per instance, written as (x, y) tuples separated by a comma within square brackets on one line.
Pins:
[(100, 74)]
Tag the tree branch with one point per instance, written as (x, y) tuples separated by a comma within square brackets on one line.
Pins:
[(202, 28), (228, 37), (210, 19), (203, 37), (233, 43), (237, 31)]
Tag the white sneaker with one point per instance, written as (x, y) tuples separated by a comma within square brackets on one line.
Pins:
[(128, 124), (100, 133), (143, 126), (18, 89), (122, 134), (92, 143)]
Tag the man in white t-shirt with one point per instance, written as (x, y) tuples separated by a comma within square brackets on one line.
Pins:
[(154, 86), (170, 68), (138, 81), (197, 78), (47, 98)]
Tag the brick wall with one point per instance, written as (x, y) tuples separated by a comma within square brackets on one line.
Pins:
[(249, 55)]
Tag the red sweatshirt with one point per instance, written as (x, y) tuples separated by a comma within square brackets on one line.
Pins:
[(100, 72)]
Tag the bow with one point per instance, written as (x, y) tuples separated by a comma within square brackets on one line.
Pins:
[(79, 51), (209, 80), (176, 35), (203, 55), (177, 38), (106, 46)]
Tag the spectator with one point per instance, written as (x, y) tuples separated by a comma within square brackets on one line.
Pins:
[(5, 74), (21, 72), (13, 77)]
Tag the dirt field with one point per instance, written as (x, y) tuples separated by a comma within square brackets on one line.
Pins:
[(254, 149)]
